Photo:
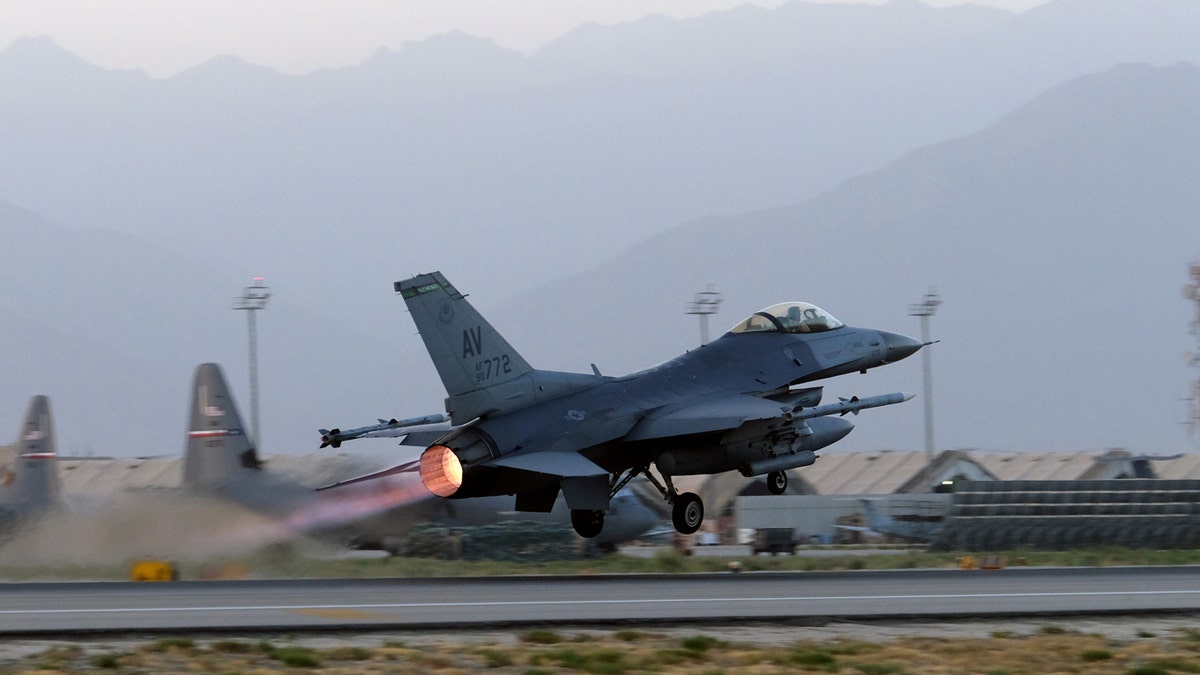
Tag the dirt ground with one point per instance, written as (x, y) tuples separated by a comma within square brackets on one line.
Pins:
[(1146, 645)]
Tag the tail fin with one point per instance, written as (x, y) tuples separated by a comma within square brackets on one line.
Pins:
[(218, 448), (875, 520), (482, 373), (34, 481)]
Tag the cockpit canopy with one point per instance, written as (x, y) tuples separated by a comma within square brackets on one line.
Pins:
[(789, 317)]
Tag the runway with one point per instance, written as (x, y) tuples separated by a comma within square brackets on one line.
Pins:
[(542, 600)]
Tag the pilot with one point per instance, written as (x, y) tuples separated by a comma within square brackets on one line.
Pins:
[(795, 321)]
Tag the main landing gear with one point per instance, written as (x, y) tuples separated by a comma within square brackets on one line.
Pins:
[(687, 509)]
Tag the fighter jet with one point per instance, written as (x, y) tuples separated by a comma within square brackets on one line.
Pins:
[(30, 485), (731, 405)]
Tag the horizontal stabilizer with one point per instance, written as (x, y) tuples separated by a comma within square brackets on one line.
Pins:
[(408, 467)]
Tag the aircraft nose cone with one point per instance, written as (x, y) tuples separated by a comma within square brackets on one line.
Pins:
[(899, 346)]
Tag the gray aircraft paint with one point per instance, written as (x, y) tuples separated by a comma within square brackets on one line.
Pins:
[(725, 406), (30, 485)]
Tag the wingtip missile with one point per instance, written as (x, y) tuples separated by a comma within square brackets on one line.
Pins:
[(335, 437)]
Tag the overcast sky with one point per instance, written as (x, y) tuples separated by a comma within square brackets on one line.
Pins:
[(163, 37)]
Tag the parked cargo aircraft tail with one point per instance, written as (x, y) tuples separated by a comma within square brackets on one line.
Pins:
[(30, 483), (218, 447)]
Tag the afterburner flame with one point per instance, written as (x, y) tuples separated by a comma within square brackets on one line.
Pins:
[(441, 472)]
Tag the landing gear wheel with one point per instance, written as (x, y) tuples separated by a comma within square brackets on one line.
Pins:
[(587, 523), (687, 513), (777, 482)]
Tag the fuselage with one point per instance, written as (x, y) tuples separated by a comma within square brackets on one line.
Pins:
[(595, 419)]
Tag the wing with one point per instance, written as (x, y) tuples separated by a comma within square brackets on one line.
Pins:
[(720, 414), (565, 463)]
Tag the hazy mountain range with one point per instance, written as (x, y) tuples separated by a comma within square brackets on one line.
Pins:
[(584, 193)]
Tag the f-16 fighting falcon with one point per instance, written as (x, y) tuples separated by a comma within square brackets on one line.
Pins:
[(731, 405)]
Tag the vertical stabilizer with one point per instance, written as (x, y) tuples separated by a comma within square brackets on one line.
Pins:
[(218, 448), (482, 373), (34, 474), (875, 520)]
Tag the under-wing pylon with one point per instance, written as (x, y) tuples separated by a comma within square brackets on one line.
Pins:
[(735, 404)]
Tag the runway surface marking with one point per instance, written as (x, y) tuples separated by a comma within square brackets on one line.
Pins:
[(545, 603), (340, 613)]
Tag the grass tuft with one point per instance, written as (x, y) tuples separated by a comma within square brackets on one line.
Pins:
[(541, 636), (297, 657), (232, 647), (348, 654), (169, 643), (106, 660), (701, 643)]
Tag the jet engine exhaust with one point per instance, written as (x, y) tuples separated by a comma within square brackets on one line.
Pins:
[(354, 503), (441, 471)]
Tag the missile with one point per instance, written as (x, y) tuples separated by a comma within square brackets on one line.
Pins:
[(393, 427), (822, 432), (851, 405)]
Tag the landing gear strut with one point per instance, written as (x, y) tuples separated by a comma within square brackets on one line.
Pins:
[(687, 510), (777, 482)]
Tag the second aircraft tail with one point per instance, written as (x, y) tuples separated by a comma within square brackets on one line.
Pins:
[(33, 479), (218, 447)]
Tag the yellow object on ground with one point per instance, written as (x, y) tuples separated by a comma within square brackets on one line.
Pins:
[(153, 570)]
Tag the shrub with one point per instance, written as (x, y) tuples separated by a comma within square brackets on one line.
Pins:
[(232, 647), (348, 654), (494, 658), (1097, 655), (812, 657), (541, 636), (700, 643), (108, 660), (169, 643), (297, 657)]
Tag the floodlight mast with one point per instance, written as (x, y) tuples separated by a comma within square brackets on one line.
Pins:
[(926, 309), (1191, 291), (253, 299), (704, 305)]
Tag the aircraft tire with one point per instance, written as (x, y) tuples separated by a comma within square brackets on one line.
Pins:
[(587, 523), (688, 513), (777, 482)]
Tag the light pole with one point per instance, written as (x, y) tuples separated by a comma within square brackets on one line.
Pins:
[(926, 309), (705, 304), (253, 299), (1191, 291)]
